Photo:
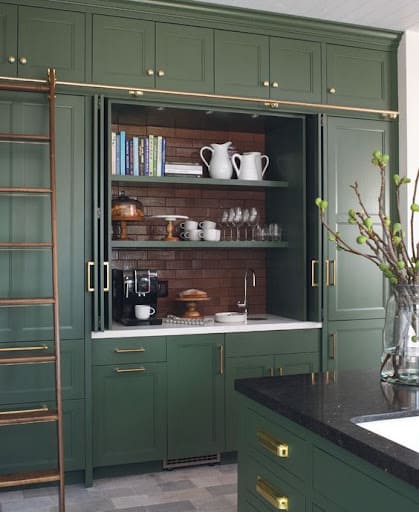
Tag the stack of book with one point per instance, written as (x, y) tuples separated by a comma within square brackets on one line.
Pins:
[(142, 155), (183, 169)]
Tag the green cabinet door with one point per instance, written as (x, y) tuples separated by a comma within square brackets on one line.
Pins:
[(241, 64), (195, 395), (292, 364), (8, 40), (240, 368), (295, 70), (129, 413), (352, 345), (360, 77), (356, 287), (27, 273)]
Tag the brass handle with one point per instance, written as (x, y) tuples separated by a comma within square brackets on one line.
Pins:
[(150, 72), (160, 72), (333, 347), (327, 271), (265, 83), (275, 85), (129, 370), (25, 411), (221, 349), (332, 90), (128, 350), (24, 349), (333, 283), (23, 60), (280, 371), (272, 444), (270, 494), (11, 59), (107, 286), (271, 372), (90, 265), (314, 284)]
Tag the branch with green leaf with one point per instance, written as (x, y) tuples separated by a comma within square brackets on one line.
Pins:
[(387, 247)]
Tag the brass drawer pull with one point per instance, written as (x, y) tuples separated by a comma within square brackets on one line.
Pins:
[(332, 355), (327, 271), (221, 349), (128, 350), (271, 495), (24, 349), (25, 411), (129, 370), (90, 265), (333, 283), (272, 444), (314, 284), (107, 286)]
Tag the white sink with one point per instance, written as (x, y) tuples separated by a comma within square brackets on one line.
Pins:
[(404, 431)]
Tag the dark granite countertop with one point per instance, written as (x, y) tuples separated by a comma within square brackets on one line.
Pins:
[(325, 403)]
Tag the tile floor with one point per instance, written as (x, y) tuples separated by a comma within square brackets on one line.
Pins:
[(197, 489)]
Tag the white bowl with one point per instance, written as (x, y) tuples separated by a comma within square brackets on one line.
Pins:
[(230, 317)]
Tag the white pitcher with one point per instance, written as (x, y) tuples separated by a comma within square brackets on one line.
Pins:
[(248, 169), (259, 159), (220, 165)]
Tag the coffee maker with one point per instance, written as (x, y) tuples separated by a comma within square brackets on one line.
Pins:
[(135, 287)]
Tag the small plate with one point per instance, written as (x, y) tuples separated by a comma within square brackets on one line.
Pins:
[(230, 317)]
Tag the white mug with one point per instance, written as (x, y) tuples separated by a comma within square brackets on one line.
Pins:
[(192, 234), (208, 224), (189, 224), (144, 311), (212, 235)]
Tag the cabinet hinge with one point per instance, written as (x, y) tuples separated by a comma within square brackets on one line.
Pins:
[(98, 213), (322, 119)]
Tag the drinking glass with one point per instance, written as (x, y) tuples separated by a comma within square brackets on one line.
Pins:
[(231, 216), (224, 224), (238, 218), (246, 217), (275, 232), (253, 220)]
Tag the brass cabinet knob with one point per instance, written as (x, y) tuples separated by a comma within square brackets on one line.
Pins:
[(275, 85), (150, 72), (11, 59), (332, 90), (265, 83), (23, 60), (160, 72)]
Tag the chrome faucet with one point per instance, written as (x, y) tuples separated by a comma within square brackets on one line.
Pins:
[(244, 303)]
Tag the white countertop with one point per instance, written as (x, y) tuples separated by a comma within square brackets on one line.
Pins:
[(269, 323)]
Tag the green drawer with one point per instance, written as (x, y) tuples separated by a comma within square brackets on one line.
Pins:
[(277, 447), (129, 350), (272, 342)]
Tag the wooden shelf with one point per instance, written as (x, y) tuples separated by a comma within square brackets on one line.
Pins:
[(155, 244), (169, 180)]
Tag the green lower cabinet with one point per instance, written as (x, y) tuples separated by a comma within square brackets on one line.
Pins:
[(292, 364), (31, 447), (195, 395), (354, 344), (129, 413)]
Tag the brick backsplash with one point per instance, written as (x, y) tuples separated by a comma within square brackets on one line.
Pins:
[(220, 272)]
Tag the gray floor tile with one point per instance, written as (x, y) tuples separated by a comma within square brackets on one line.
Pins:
[(177, 485), (222, 489)]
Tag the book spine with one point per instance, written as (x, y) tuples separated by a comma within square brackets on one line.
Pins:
[(141, 166), (131, 157), (159, 155), (126, 157), (146, 157), (163, 155), (135, 155), (113, 153), (122, 153), (150, 155), (118, 154)]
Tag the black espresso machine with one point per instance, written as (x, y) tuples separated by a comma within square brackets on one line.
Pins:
[(134, 287)]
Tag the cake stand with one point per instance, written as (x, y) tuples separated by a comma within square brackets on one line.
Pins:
[(170, 237), (191, 311)]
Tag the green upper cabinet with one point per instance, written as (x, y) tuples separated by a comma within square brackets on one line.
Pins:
[(360, 77), (267, 67), (138, 53), (33, 39), (355, 287), (195, 395)]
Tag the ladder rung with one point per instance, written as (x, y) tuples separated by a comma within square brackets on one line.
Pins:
[(24, 245), (26, 190), (27, 359), (23, 88), (34, 477), (22, 417), (17, 137), (27, 302)]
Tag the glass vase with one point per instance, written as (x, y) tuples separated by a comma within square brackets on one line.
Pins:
[(400, 359)]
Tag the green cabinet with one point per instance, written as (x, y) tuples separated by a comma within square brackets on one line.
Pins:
[(360, 77), (34, 39), (195, 366), (267, 67), (27, 273), (259, 354), (140, 53), (129, 413)]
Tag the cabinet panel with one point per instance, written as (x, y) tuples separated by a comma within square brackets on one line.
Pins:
[(33, 447), (8, 39), (292, 364), (129, 350), (195, 395), (129, 413), (241, 64), (357, 289), (295, 66), (360, 77)]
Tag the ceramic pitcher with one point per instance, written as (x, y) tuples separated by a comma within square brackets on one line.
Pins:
[(259, 162), (219, 166), (247, 168)]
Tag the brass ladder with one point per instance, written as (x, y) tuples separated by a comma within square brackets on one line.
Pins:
[(19, 355)]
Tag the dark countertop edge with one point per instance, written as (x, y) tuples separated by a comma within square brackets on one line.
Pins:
[(360, 444)]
